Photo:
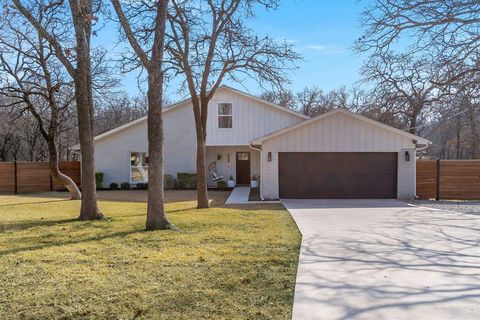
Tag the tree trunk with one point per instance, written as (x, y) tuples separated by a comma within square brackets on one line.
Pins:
[(458, 130), (473, 128), (156, 219), (82, 15), (201, 130), (202, 193), (89, 208), (58, 176)]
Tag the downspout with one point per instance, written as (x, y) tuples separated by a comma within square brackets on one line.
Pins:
[(261, 164), (415, 168)]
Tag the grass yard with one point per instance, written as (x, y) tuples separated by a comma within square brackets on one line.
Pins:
[(223, 263)]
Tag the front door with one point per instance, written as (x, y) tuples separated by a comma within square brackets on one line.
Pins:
[(243, 167)]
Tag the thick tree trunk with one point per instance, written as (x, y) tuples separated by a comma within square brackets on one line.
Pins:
[(58, 176), (82, 15), (156, 218), (201, 130), (202, 193), (89, 208)]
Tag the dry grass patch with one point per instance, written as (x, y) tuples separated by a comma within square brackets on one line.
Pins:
[(223, 263)]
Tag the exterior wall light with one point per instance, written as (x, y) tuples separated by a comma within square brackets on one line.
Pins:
[(269, 156), (407, 156)]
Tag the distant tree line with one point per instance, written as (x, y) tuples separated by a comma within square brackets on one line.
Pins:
[(20, 137)]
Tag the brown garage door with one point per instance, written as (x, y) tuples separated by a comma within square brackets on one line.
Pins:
[(337, 175)]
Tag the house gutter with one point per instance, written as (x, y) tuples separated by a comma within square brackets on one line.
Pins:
[(261, 170)]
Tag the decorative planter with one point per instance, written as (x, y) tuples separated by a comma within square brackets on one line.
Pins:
[(231, 183), (254, 183)]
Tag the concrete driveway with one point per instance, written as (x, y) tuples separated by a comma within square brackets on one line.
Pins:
[(384, 259)]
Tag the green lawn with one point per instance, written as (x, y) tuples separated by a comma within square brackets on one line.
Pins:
[(222, 263)]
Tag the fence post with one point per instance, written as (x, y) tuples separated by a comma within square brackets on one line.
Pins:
[(15, 185), (437, 194)]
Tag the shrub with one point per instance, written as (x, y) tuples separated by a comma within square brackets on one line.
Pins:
[(99, 179), (186, 180), (221, 184), (142, 186), (125, 186), (169, 182), (114, 186)]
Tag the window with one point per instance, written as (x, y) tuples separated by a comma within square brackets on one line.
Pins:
[(244, 156), (225, 116), (138, 167)]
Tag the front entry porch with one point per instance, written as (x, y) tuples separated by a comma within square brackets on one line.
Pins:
[(239, 162)]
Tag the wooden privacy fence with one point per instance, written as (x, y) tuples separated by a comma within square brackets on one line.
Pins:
[(23, 177), (448, 179)]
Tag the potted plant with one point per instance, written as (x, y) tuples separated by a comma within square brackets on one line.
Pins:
[(254, 182), (231, 182)]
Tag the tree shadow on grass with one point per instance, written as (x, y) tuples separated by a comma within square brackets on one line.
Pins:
[(60, 243), (32, 203), (24, 225)]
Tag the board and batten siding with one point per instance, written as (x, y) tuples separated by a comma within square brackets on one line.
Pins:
[(251, 119), (112, 154), (338, 133)]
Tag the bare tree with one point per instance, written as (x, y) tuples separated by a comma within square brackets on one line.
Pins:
[(282, 97), (454, 128), (447, 30), (33, 82), (152, 60), (312, 101), (118, 109), (76, 16), (209, 42), (406, 85)]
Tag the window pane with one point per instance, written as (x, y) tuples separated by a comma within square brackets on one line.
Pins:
[(139, 167), (243, 155), (224, 109), (225, 121), (139, 174)]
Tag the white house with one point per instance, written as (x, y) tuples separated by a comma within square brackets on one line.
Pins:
[(336, 155)]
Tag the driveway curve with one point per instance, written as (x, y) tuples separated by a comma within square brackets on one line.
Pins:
[(385, 259)]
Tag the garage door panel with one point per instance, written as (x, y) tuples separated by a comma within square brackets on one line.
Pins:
[(309, 175)]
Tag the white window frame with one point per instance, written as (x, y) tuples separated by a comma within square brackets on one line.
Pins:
[(130, 167), (219, 115)]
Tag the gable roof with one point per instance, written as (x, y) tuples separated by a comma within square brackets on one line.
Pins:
[(186, 101), (421, 140)]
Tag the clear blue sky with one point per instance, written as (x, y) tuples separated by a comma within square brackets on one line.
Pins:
[(323, 31)]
